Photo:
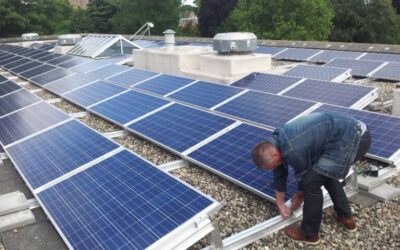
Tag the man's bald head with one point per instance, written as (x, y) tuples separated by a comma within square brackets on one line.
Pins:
[(266, 156)]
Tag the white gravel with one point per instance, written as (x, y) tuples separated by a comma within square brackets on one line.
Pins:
[(98, 124), (46, 95), (68, 107)]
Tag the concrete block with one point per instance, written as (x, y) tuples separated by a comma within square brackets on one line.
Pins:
[(15, 220), (12, 202), (383, 193)]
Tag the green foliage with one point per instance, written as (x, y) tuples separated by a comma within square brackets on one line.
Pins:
[(80, 22), (133, 14), (282, 19), (99, 13)]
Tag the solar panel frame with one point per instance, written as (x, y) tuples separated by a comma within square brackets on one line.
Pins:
[(132, 77), (297, 54), (389, 71), (50, 76), (108, 71), (329, 55), (358, 67), (319, 73), (164, 84), (16, 100), (69, 83)]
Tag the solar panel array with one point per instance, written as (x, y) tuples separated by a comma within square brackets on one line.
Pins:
[(358, 67), (297, 54), (319, 73), (328, 55), (390, 71)]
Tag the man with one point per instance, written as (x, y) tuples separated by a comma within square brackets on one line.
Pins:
[(320, 147)]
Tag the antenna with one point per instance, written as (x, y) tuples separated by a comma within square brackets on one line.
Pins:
[(142, 31)]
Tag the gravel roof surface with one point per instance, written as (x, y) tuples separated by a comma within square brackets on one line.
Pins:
[(46, 95), (98, 124), (68, 107)]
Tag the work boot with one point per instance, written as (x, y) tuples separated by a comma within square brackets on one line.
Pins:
[(348, 223), (295, 234)]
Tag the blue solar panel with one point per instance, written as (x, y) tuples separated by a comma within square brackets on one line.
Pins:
[(15, 63), (390, 71), (128, 106), (73, 62), (230, 156), (8, 87), (50, 57), (179, 127), (69, 83), (16, 101), (3, 79), (297, 54), (267, 109), (132, 77), (50, 76), (28, 121), (266, 82), (36, 71), (382, 57), (329, 92), (318, 72), (358, 67), (384, 129), (92, 65), (328, 55), (49, 155), (61, 59), (108, 71), (25, 67), (269, 50), (205, 94), (93, 93), (33, 53), (9, 60), (122, 202), (164, 84)]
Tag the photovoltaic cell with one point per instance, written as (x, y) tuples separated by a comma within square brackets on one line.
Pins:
[(51, 76), (25, 67), (297, 54), (329, 92), (28, 121), (39, 55), (269, 50), (93, 93), (92, 65), (33, 53), (16, 100), (163, 84), (128, 106), (384, 129), (15, 63), (50, 57), (390, 71), (69, 83), (205, 94), (107, 71), (3, 79), (316, 72), (132, 77), (382, 57), (8, 87), (230, 156), (9, 60), (49, 155), (179, 127), (266, 82), (37, 71), (266, 109), (61, 59), (73, 62), (328, 55), (121, 202), (358, 67)]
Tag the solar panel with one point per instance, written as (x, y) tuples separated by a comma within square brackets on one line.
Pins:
[(382, 57), (121, 202), (328, 55), (297, 54), (266, 82), (131, 77), (128, 106), (163, 84), (14, 64), (61, 59), (69, 83), (29, 121), (50, 76), (3, 79), (384, 129), (266, 109), (330, 92), (92, 65), (179, 127), (27, 52), (205, 94), (15, 101), (93, 93), (39, 55), (73, 62), (358, 67), (55, 152), (33, 53), (8, 87), (9, 60), (25, 67), (36, 71), (390, 71), (50, 57), (269, 50), (319, 73), (108, 71), (230, 156)]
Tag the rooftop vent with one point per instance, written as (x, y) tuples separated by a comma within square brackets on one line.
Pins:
[(234, 43), (30, 36), (69, 39)]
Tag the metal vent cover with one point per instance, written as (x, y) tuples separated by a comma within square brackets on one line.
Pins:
[(30, 36), (69, 39), (235, 43)]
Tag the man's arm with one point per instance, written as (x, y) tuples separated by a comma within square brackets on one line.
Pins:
[(284, 210)]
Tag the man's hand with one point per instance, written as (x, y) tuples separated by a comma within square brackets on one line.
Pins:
[(284, 210), (297, 200)]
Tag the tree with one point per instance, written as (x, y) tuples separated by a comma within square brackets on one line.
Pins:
[(80, 22), (100, 13), (133, 14), (212, 13), (282, 19)]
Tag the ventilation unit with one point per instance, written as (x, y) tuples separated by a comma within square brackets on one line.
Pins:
[(30, 36), (235, 43), (69, 39)]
